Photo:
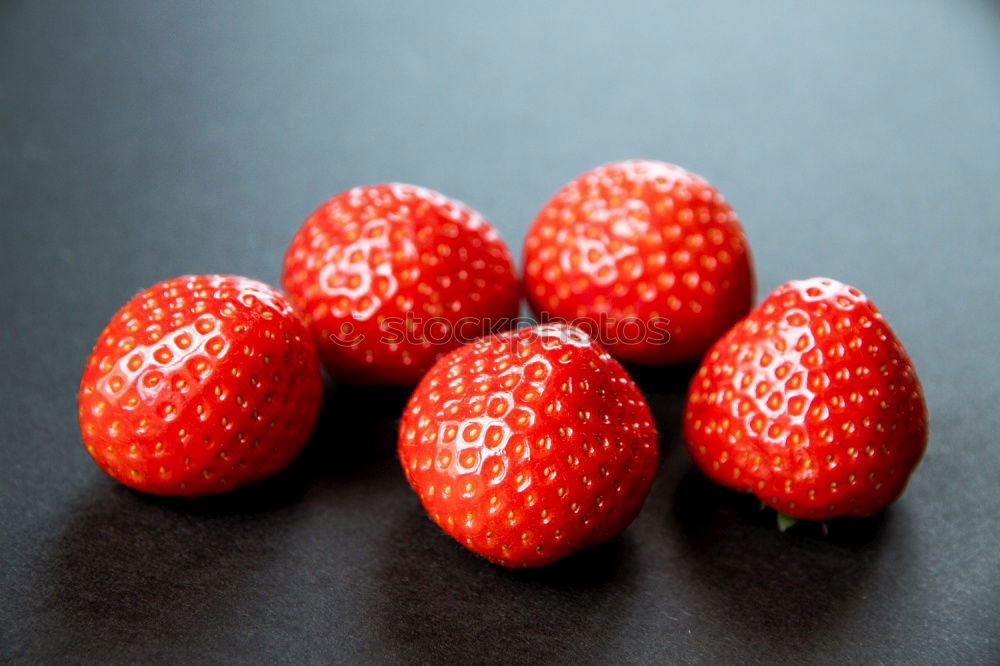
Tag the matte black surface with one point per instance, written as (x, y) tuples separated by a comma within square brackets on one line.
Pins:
[(140, 141)]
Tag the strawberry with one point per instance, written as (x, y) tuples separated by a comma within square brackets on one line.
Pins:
[(391, 277), (529, 445), (198, 385), (810, 403), (647, 256)]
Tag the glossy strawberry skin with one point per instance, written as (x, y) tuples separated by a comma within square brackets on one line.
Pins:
[(529, 445), (640, 240), (199, 385), (390, 277), (810, 403)]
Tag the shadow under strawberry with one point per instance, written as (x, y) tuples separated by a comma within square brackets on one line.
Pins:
[(130, 576), (669, 380), (665, 389), (354, 441), (800, 582), (355, 437), (435, 602), (131, 572), (701, 505)]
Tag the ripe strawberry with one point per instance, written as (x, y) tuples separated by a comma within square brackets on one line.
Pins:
[(198, 385), (810, 403), (529, 445), (648, 254), (391, 277)]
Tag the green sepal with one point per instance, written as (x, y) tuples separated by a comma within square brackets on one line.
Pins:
[(785, 521)]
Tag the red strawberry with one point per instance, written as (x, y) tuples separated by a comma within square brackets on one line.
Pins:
[(529, 445), (810, 403), (648, 254), (198, 385), (391, 277)]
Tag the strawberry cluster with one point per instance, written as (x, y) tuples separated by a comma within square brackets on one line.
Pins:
[(524, 443)]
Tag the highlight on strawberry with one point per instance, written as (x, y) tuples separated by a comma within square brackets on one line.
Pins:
[(811, 403)]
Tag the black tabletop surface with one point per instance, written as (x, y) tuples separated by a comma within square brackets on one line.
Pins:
[(140, 141)]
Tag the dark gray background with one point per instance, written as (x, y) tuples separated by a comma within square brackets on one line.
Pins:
[(138, 141)]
